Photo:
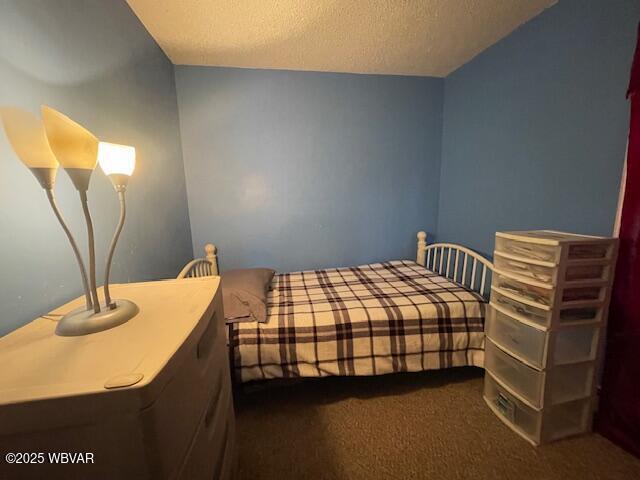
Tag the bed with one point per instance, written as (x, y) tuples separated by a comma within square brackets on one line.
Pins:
[(395, 316)]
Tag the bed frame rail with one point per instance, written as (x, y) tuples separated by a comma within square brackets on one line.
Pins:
[(457, 263)]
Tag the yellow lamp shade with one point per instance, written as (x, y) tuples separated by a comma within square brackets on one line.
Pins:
[(73, 145), (116, 159), (27, 137)]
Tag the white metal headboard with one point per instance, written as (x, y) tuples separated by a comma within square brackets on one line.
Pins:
[(457, 263), (202, 267)]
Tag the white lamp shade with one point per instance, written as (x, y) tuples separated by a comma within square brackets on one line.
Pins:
[(116, 159), (73, 145), (27, 136)]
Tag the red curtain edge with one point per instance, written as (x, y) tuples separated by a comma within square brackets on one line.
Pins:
[(618, 418)]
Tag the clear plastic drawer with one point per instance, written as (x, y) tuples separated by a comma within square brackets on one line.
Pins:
[(527, 292), (547, 246), (571, 344), (537, 426), (544, 295), (525, 419), (540, 273), (524, 380), (544, 316), (527, 343), (520, 310), (560, 384), (548, 273), (533, 251)]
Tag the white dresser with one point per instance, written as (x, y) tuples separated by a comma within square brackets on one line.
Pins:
[(549, 300), (149, 399)]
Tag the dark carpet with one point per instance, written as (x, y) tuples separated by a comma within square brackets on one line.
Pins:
[(431, 425)]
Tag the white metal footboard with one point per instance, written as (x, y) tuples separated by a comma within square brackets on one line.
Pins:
[(457, 263)]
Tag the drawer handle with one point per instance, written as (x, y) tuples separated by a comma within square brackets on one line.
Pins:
[(514, 339), (206, 340), (505, 406)]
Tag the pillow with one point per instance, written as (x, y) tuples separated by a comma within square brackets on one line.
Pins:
[(244, 294)]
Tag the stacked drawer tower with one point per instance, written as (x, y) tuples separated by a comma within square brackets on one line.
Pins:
[(549, 300)]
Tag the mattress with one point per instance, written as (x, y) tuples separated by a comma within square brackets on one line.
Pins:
[(374, 319)]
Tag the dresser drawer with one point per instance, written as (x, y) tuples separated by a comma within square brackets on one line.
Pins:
[(571, 344), (576, 251), (544, 316), (173, 418), (548, 272), (537, 426), (538, 295), (524, 419), (540, 271), (544, 295), (530, 250), (525, 342), (557, 385), (520, 310), (206, 456), (527, 382)]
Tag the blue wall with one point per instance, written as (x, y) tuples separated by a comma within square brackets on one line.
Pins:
[(94, 61), (302, 170), (535, 127), (298, 170)]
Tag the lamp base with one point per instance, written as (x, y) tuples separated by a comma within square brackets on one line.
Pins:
[(83, 322)]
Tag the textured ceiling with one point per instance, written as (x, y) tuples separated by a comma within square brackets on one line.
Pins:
[(405, 37)]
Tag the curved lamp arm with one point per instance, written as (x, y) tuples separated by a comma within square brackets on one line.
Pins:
[(74, 246), (92, 251), (112, 248)]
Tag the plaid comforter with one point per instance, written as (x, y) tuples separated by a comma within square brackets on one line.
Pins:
[(369, 320)]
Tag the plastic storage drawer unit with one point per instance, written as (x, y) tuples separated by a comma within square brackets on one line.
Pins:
[(537, 388), (549, 299)]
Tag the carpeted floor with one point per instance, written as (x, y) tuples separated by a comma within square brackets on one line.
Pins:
[(431, 425)]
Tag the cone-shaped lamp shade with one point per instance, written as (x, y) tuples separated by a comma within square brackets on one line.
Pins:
[(75, 147), (28, 139), (116, 159)]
